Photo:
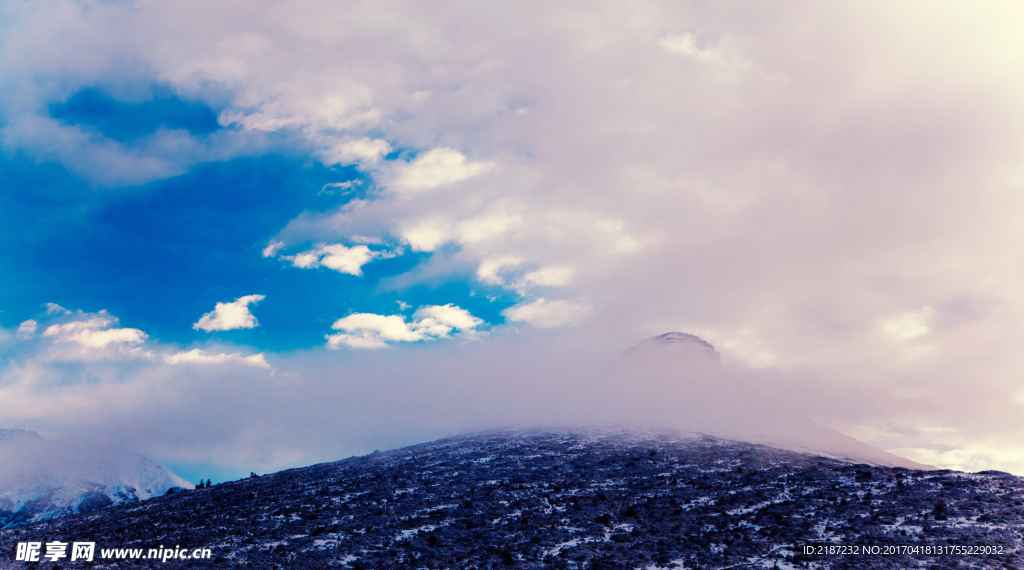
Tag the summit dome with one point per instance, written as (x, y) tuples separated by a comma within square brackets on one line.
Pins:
[(677, 346)]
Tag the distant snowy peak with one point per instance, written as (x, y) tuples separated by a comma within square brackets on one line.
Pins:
[(42, 479), (9, 435)]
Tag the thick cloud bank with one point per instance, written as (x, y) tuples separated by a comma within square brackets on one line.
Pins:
[(828, 193)]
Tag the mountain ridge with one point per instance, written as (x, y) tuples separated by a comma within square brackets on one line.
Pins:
[(565, 497)]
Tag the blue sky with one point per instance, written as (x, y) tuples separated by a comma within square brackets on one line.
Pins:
[(245, 243), (160, 255)]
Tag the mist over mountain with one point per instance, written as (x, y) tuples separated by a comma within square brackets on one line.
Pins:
[(673, 381), (677, 380), (712, 475), (42, 479)]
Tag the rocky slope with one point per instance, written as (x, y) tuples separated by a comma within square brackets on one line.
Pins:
[(566, 498)]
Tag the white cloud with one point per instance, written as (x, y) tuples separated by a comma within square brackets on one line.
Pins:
[(359, 151), (341, 105), (200, 357), (440, 320), (506, 223), (686, 44), (55, 309), (548, 314), (342, 259), (230, 316), (487, 226), (435, 169), (553, 276), (368, 330), (550, 276), (489, 268), (27, 328), (272, 248), (96, 338), (94, 333), (427, 234), (908, 326)]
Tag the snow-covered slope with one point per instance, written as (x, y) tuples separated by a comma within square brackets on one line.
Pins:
[(560, 498), (42, 479), (677, 380)]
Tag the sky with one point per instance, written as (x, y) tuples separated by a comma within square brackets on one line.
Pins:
[(243, 236)]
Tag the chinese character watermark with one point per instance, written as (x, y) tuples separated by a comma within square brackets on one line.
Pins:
[(28, 551), (55, 550), (83, 551)]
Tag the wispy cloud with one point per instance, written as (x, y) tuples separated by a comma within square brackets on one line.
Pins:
[(364, 151), (548, 314), (55, 309), (201, 357), (27, 329), (272, 248)]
